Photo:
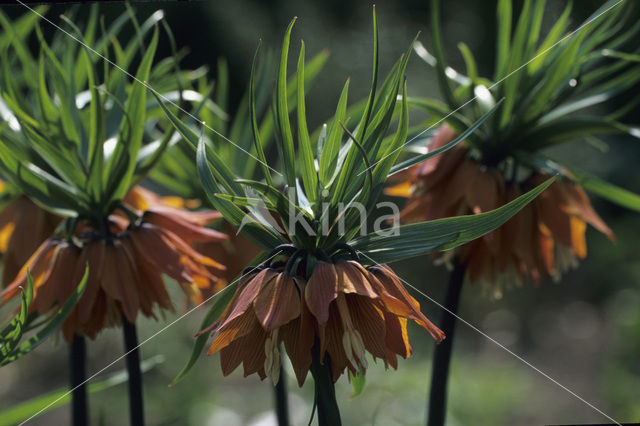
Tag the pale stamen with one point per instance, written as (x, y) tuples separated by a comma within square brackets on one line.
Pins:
[(272, 361), (351, 339)]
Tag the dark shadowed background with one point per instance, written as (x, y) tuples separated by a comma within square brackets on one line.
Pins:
[(584, 331)]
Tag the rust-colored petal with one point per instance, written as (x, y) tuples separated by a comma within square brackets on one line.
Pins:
[(167, 219), (398, 301), (38, 265), (120, 281), (298, 337), (234, 329), (150, 279), (185, 248), (578, 204), (163, 256), (333, 343), (368, 319), (248, 293), (321, 290), (277, 303), (353, 278), (231, 356), (396, 337), (93, 254)]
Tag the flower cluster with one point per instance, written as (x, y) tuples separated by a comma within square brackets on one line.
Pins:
[(342, 311), (126, 260), (545, 238)]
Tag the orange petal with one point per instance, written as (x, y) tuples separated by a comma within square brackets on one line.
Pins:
[(93, 254), (368, 319), (353, 278), (400, 190), (277, 303), (578, 241), (238, 327), (298, 337), (321, 290), (37, 265), (398, 301), (165, 218)]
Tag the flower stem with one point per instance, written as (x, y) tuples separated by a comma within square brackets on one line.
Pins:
[(442, 354), (282, 405), (136, 405), (77, 376), (328, 411)]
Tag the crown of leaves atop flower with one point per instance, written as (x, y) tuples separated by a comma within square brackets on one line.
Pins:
[(317, 186), (79, 132), (547, 83), (177, 170)]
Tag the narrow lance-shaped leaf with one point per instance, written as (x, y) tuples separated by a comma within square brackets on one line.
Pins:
[(265, 238), (438, 52), (609, 191), (53, 324), (282, 113), (254, 122), (331, 148), (309, 173), (123, 160), (504, 35), (420, 158), (219, 305)]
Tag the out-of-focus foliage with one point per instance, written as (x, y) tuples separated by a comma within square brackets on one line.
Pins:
[(549, 85), (10, 336)]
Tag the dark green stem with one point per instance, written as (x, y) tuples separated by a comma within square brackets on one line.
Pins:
[(328, 411), (442, 355), (77, 376), (282, 405), (136, 405)]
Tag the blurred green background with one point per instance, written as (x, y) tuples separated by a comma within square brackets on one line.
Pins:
[(583, 331)]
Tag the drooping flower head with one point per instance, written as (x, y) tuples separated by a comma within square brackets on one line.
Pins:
[(126, 265), (545, 100), (344, 308), (544, 239), (322, 288)]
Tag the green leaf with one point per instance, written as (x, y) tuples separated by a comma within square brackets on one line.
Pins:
[(309, 173), (420, 158), (282, 113), (470, 63), (443, 234), (567, 129), (52, 324), (358, 382), (382, 169), (504, 36), (219, 305), (438, 53), (123, 160), (23, 411), (254, 121), (44, 188), (95, 149), (329, 156), (12, 333), (555, 34), (265, 238), (608, 191)]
